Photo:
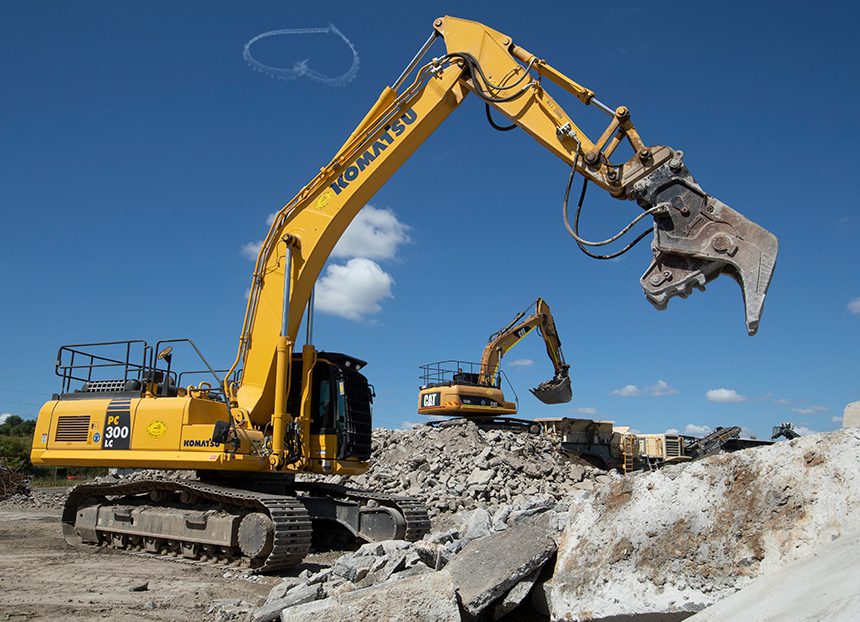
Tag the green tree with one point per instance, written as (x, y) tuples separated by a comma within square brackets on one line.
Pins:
[(16, 426), (16, 436), (15, 452)]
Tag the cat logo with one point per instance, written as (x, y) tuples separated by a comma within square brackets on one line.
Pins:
[(156, 428)]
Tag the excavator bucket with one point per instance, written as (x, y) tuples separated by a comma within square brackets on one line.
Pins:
[(555, 391), (697, 238)]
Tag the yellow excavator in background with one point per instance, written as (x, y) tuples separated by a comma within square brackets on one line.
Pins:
[(277, 412), (477, 393)]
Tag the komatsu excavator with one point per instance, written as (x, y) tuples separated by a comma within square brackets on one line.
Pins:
[(448, 390), (277, 412)]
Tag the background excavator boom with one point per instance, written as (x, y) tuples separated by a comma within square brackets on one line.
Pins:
[(557, 390)]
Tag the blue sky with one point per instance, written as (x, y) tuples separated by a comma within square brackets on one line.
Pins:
[(139, 154)]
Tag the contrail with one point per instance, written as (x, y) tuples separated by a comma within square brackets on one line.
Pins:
[(301, 69)]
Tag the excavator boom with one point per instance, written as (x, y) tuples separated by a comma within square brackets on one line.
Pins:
[(556, 390)]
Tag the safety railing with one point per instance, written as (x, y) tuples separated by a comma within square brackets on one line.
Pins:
[(103, 361), (110, 366)]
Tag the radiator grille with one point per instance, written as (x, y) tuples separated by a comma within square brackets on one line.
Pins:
[(673, 446), (72, 429), (104, 386)]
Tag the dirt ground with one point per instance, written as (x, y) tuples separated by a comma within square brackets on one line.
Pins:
[(42, 578)]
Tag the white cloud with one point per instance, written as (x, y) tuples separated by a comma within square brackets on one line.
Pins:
[(4, 417), (660, 389), (251, 249), (585, 410), (353, 290), (375, 233), (781, 401), (696, 430), (814, 409), (724, 396), (804, 431), (854, 306), (836, 419), (671, 431), (521, 363), (628, 390)]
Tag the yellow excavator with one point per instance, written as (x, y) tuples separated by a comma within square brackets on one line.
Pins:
[(449, 390), (278, 411)]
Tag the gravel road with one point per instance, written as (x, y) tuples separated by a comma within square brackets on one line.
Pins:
[(42, 578)]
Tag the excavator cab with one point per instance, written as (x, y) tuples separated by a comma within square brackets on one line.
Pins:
[(341, 405)]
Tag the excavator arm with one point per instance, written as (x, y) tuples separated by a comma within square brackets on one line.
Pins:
[(557, 390), (696, 237)]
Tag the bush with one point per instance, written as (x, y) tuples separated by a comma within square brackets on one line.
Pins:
[(16, 437), (15, 452), (15, 426)]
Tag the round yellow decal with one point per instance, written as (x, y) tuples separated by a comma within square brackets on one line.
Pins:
[(323, 200), (156, 429)]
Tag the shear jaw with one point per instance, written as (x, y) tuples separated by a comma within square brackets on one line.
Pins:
[(697, 238)]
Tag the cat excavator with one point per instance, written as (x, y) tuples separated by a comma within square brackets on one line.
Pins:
[(477, 393), (243, 434)]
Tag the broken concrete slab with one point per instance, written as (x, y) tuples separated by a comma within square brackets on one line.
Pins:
[(281, 589), (353, 568), (515, 596), (296, 596), (428, 597), (487, 568), (476, 526)]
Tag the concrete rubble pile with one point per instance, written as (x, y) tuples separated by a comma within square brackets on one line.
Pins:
[(685, 537), (458, 466), (659, 545), (480, 568)]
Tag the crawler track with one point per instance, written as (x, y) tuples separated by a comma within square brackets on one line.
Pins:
[(292, 526), (415, 512)]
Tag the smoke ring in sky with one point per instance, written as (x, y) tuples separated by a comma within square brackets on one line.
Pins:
[(301, 69)]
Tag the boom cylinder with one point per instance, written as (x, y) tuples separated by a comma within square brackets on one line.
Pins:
[(282, 365)]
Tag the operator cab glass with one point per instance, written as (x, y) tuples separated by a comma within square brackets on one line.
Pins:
[(341, 402)]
